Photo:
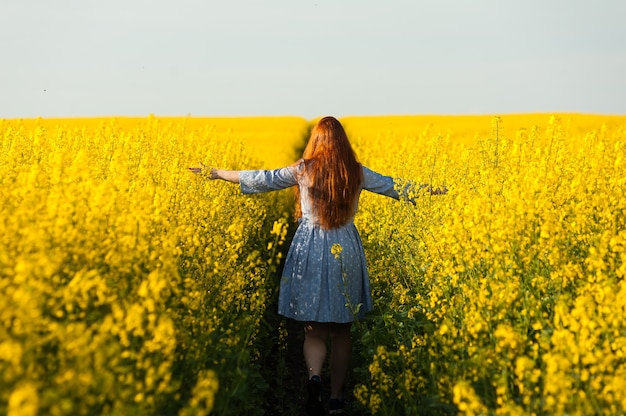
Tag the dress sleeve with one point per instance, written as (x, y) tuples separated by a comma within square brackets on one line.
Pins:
[(383, 185), (257, 181)]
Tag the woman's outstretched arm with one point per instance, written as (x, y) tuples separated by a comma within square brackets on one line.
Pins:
[(225, 175), (213, 173), (386, 185)]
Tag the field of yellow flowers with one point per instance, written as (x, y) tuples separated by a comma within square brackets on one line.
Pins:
[(130, 286), (507, 295)]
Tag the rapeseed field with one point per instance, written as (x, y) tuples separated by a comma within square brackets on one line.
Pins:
[(130, 286)]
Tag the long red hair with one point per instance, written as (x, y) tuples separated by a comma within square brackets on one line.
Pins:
[(334, 173)]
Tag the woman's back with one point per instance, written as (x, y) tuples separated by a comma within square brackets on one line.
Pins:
[(331, 175)]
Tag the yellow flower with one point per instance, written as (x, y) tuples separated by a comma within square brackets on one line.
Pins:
[(336, 250), (23, 400)]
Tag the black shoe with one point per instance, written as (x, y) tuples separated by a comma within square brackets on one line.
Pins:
[(336, 406), (314, 405)]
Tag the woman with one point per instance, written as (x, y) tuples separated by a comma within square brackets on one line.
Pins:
[(325, 281)]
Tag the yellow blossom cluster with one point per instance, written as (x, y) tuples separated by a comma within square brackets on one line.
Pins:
[(128, 284), (507, 292)]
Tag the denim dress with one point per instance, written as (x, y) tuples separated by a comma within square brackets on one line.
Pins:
[(320, 283)]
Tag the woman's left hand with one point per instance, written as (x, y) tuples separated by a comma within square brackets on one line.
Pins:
[(205, 171)]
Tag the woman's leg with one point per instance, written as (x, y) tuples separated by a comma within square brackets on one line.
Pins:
[(314, 348), (341, 352)]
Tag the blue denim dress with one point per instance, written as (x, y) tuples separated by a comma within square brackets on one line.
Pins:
[(320, 284)]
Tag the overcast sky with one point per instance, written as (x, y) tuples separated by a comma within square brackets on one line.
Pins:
[(69, 58)]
